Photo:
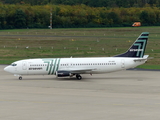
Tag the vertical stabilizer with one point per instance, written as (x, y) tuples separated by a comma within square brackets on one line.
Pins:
[(138, 47)]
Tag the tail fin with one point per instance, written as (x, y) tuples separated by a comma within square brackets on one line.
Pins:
[(138, 47)]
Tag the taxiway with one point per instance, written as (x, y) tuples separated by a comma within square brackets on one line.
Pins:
[(124, 95)]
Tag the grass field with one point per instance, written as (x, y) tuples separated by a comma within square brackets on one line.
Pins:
[(83, 42)]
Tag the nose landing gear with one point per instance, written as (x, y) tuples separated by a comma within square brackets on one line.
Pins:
[(19, 76)]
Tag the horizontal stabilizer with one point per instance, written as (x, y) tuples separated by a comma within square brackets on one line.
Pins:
[(145, 57)]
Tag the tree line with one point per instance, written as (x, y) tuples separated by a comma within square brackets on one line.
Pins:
[(91, 3), (71, 16)]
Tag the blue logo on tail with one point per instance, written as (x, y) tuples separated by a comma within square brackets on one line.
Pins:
[(138, 48)]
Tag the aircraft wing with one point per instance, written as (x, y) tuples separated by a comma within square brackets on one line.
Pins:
[(78, 71), (72, 72)]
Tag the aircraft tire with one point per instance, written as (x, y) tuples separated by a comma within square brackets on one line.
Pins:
[(20, 78), (79, 77)]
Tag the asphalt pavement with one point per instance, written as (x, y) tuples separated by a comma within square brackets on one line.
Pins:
[(123, 95)]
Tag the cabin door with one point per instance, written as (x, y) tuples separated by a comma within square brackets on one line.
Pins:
[(123, 63), (24, 65)]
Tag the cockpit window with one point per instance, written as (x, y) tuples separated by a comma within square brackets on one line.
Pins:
[(13, 64)]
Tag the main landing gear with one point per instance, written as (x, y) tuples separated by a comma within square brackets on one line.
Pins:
[(79, 77), (20, 77)]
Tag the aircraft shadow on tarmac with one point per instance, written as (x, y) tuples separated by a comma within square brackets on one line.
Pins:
[(85, 79)]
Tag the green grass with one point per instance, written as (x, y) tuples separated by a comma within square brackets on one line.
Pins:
[(75, 42), (156, 67)]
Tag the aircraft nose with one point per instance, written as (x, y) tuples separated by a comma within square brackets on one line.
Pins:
[(7, 69)]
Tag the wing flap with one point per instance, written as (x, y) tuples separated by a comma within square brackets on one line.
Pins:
[(78, 71)]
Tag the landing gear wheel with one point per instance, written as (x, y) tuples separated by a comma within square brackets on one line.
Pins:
[(79, 77), (20, 78)]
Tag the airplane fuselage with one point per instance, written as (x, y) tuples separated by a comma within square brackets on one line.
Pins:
[(50, 66)]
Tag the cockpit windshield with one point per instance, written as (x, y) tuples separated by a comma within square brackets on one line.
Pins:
[(13, 64)]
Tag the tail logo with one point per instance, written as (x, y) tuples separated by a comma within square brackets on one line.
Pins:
[(140, 44), (138, 47)]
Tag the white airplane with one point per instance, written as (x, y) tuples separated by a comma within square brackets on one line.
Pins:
[(69, 67)]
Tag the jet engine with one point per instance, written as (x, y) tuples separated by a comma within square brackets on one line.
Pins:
[(63, 73)]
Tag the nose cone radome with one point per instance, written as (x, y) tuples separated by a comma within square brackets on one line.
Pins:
[(5, 69), (8, 69)]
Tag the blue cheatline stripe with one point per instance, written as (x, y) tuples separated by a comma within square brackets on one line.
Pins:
[(143, 36), (48, 62), (47, 65), (143, 44), (57, 65), (139, 47), (54, 66), (145, 33), (142, 39), (50, 67)]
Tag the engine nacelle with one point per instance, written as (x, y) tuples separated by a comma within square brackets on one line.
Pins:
[(63, 73)]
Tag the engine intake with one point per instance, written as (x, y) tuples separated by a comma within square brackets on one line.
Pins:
[(63, 73)]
